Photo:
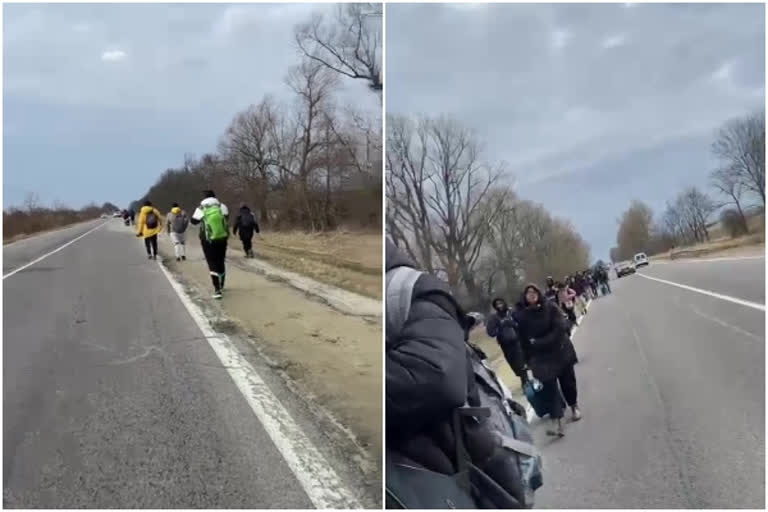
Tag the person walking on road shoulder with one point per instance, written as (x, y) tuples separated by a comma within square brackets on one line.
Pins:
[(149, 226), (548, 353), (502, 325), (246, 226), (177, 229), (214, 234)]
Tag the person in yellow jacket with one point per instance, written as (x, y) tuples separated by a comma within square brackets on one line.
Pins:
[(149, 226)]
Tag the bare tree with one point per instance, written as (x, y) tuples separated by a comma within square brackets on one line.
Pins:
[(350, 44), (313, 84), (699, 208), (437, 188), (634, 232), (726, 180), (740, 144), (32, 202), (251, 151), (525, 243), (686, 220)]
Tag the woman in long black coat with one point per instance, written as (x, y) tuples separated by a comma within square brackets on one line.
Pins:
[(549, 353)]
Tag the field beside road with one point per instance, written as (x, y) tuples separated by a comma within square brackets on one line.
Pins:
[(722, 245), (347, 259)]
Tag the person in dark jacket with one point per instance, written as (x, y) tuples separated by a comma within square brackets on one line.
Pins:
[(501, 324), (426, 372), (550, 292), (549, 353), (246, 226), (602, 279), (429, 375)]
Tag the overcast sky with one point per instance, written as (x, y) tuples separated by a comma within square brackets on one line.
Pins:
[(100, 99), (591, 105)]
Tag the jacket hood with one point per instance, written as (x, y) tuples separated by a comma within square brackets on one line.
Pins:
[(395, 257), (147, 209), (244, 208), (176, 210), (210, 201), (524, 303)]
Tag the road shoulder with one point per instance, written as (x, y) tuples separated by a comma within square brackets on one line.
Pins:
[(329, 362)]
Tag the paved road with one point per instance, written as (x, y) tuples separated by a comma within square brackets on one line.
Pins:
[(112, 398), (672, 385), (20, 253)]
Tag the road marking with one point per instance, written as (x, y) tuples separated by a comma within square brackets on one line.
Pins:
[(725, 324), (41, 258), (720, 296), (318, 479)]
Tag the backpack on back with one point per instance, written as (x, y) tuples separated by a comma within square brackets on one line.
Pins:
[(247, 221), (494, 418), (152, 221), (180, 223), (215, 223)]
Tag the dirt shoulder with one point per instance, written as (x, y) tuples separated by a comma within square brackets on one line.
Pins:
[(331, 356), (345, 259), (743, 246)]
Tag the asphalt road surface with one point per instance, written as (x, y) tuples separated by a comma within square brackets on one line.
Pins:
[(112, 396), (672, 387)]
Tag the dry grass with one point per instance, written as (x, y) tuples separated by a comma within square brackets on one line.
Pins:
[(346, 259), (713, 247), (18, 225), (720, 242)]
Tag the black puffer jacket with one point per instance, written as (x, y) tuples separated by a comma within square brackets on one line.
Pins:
[(504, 328), (544, 339), (427, 371), (429, 374)]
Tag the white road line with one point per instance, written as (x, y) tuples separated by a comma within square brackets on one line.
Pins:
[(720, 296), (725, 324), (41, 258), (318, 479)]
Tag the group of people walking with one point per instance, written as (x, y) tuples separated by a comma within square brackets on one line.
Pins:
[(534, 337), (576, 290), (429, 367), (213, 217)]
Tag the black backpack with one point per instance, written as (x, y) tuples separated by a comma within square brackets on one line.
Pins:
[(152, 221), (508, 477), (247, 221)]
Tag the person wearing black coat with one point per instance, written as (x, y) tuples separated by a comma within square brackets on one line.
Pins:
[(548, 353), (246, 226), (501, 324), (428, 376), (426, 371)]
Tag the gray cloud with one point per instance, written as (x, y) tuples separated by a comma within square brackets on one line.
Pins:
[(116, 93), (562, 90)]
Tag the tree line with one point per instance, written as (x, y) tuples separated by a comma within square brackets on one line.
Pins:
[(33, 217), (737, 190), (457, 216), (308, 162)]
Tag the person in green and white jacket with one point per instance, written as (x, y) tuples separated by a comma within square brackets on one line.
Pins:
[(214, 234)]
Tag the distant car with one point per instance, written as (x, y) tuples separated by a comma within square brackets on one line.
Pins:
[(104, 216), (625, 268), (641, 260), (117, 215)]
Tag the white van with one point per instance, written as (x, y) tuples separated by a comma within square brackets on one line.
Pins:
[(641, 260)]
